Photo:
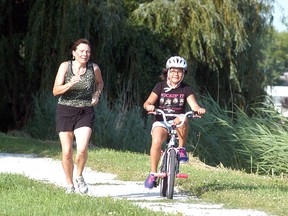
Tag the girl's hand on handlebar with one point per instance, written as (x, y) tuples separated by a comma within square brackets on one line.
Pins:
[(150, 108), (201, 111)]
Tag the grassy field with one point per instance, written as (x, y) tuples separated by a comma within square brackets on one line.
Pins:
[(234, 189), (22, 196)]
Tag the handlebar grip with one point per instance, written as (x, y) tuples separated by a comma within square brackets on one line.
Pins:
[(190, 116), (195, 113)]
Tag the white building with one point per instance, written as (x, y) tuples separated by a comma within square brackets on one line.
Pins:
[(279, 95)]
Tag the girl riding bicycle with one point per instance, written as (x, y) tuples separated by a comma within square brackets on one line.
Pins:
[(170, 95)]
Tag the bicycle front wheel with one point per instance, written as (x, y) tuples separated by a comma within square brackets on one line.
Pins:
[(171, 168), (163, 180)]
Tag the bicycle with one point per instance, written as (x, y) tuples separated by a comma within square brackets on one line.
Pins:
[(170, 164)]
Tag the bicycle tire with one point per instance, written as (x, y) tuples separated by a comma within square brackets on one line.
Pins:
[(171, 168), (163, 181)]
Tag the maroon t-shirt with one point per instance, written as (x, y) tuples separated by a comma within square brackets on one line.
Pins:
[(173, 101)]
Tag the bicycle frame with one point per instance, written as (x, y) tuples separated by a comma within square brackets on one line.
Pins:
[(170, 165)]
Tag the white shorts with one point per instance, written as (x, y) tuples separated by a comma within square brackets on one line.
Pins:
[(160, 124)]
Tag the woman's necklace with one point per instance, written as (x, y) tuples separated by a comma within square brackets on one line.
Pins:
[(79, 70)]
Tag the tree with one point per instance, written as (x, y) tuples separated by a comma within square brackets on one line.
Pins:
[(219, 38), (128, 55), (13, 25), (131, 40)]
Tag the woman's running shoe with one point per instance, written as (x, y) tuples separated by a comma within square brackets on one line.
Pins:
[(70, 189), (82, 186)]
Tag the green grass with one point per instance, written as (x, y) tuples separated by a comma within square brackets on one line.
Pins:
[(234, 189), (22, 196), (26, 145), (239, 190)]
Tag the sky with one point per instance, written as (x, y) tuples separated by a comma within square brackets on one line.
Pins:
[(277, 15)]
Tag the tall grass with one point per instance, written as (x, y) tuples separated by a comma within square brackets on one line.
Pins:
[(119, 128), (212, 135), (263, 141), (42, 122), (254, 143)]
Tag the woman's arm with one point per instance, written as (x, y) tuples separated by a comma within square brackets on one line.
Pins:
[(59, 87), (99, 84)]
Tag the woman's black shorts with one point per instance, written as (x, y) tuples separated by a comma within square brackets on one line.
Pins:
[(70, 118)]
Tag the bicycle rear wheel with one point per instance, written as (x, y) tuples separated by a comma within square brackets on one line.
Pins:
[(163, 180), (171, 168)]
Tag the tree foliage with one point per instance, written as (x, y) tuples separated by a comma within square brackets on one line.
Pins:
[(13, 29), (220, 38), (276, 59), (131, 40)]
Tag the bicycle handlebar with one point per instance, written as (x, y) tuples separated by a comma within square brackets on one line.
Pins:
[(189, 114)]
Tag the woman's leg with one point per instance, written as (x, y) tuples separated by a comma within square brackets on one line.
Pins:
[(66, 139), (82, 136)]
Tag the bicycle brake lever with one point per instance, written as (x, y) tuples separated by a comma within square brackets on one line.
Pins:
[(196, 115)]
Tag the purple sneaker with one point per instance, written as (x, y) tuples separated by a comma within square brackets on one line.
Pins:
[(150, 181), (183, 158)]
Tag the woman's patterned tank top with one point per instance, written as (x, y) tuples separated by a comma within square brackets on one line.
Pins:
[(79, 95)]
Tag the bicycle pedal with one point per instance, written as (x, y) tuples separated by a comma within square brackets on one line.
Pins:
[(160, 175), (181, 175)]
